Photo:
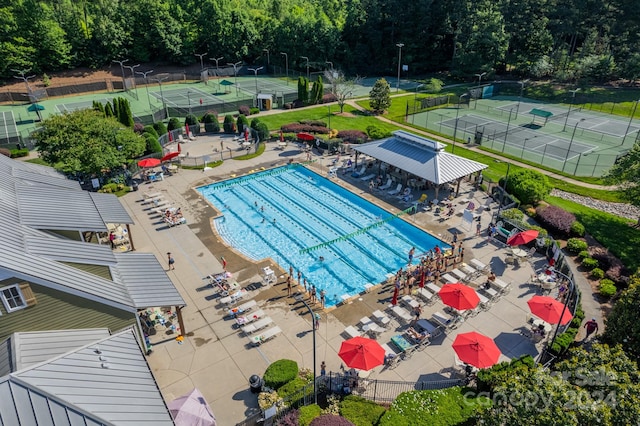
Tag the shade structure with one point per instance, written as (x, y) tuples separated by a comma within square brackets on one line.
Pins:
[(549, 309), (305, 136), (170, 156), (361, 353), (523, 237), (459, 296), (191, 410), (149, 162), (35, 107), (226, 83), (476, 349)]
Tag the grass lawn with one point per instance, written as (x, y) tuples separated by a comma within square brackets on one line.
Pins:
[(611, 231)]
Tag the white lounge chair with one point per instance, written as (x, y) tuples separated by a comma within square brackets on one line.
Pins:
[(234, 297), (247, 319), (181, 139), (271, 333), (351, 331), (333, 172), (447, 278), (381, 318), (386, 185), (458, 274), (395, 191), (481, 267), (242, 309), (433, 287), (401, 313), (425, 294), (258, 325), (191, 137), (368, 177), (361, 172), (410, 301)]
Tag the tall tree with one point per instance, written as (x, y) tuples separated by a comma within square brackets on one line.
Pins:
[(380, 96)]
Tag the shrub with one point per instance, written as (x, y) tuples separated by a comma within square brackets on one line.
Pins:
[(556, 219), (290, 419), (313, 122), (150, 130), (307, 128), (152, 144), (211, 124), (160, 128), (352, 136), (6, 152), (229, 124), (241, 123), (607, 288), (16, 153), (295, 390), (375, 132), (328, 98), (619, 274), (529, 186), (577, 229), (330, 420), (139, 127), (597, 273), (513, 214), (360, 411), (262, 130), (308, 413), (583, 254), (267, 399), (254, 110), (194, 124), (576, 245), (244, 110), (590, 263), (280, 373), (174, 124)]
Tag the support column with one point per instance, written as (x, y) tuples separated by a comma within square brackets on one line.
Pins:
[(458, 186), (130, 237), (183, 330)]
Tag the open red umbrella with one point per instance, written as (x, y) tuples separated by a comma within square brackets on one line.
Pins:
[(476, 349), (149, 162), (549, 309), (523, 237), (394, 299), (169, 156), (361, 353), (459, 296)]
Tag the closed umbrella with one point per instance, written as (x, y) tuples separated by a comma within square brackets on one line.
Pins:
[(394, 299), (459, 296), (549, 310), (192, 410), (476, 349), (186, 128), (361, 353), (149, 162), (422, 278), (523, 237), (170, 136)]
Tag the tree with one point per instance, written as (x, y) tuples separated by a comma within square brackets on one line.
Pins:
[(341, 87), (229, 125), (434, 85), (626, 173), (316, 91), (528, 186), (623, 327), (380, 96), (86, 142), (241, 123), (303, 90)]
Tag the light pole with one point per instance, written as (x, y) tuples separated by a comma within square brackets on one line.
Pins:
[(300, 298), (480, 77), (164, 104), (146, 84), (330, 63), (121, 70), (329, 106), (268, 62), (217, 60), (286, 65), (255, 73), (504, 143), (504, 187), (573, 97), (23, 78), (571, 143), (235, 74), (633, 113), (132, 68), (455, 129), (201, 55), (306, 59), (189, 100), (399, 46), (522, 83)]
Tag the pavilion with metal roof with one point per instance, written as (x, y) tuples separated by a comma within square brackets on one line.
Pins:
[(421, 157)]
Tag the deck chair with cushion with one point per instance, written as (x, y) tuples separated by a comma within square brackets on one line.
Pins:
[(368, 177), (422, 200), (386, 185), (361, 172), (257, 325), (395, 191), (249, 318), (271, 333)]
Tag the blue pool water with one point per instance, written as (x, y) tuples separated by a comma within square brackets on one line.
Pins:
[(310, 210)]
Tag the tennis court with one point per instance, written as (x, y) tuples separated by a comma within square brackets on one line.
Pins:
[(8, 127), (184, 98), (75, 106), (265, 85)]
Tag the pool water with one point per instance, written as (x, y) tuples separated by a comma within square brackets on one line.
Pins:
[(283, 212)]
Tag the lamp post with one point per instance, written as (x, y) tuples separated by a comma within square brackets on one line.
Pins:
[(201, 55), (306, 59), (146, 84), (455, 129), (573, 97), (255, 73), (217, 60), (164, 104), (329, 106), (399, 46), (235, 74), (330, 63), (522, 83), (571, 143), (286, 65), (300, 298), (189, 100), (480, 77), (132, 68), (268, 61), (121, 70), (504, 143), (633, 113), (504, 187)]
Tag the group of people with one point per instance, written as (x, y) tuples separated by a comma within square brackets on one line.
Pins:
[(173, 216), (315, 295)]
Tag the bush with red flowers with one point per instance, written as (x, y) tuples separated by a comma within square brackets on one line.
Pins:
[(555, 219)]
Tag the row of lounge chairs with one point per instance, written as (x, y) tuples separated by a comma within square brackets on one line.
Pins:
[(171, 215)]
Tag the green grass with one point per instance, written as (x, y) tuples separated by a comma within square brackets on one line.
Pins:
[(611, 231)]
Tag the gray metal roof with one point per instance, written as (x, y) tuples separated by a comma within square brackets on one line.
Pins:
[(69, 250), (420, 156), (110, 208), (22, 350), (106, 382), (146, 281)]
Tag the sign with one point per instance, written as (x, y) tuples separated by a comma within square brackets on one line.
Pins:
[(405, 68)]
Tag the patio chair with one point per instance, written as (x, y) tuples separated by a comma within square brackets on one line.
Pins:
[(381, 318), (422, 200), (247, 319), (182, 139), (401, 314), (258, 325), (359, 173), (387, 185), (333, 172), (425, 295), (244, 308), (395, 191), (234, 297), (351, 331), (368, 177), (191, 137), (409, 352), (271, 333)]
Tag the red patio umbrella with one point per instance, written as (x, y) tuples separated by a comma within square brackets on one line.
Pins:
[(169, 156), (361, 353), (394, 299), (149, 162), (459, 296), (523, 237), (476, 349), (549, 309)]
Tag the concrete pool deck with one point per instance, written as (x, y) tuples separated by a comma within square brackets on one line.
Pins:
[(215, 357)]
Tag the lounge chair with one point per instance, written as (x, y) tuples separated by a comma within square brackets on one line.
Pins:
[(234, 297), (271, 333), (433, 287), (333, 172), (481, 267), (422, 200), (447, 278), (242, 309), (191, 137), (381, 318), (395, 191), (360, 173), (182, 139), (258, 325), (352, 332), (410, 301), (247, 319), (425, 294), (368, 177), (386, 185), (401, 313)]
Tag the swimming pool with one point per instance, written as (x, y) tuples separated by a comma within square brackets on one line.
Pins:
[(283, 212)]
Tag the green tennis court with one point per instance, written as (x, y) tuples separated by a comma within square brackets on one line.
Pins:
[(8, 128)]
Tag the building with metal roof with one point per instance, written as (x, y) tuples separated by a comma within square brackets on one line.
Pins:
[(421, 157), (105, 382), (50, 277)]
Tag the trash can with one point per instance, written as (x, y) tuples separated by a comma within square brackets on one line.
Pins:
[(255, 383), (134, 186)]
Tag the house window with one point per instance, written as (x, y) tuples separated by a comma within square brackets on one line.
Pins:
[(12, 298)]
